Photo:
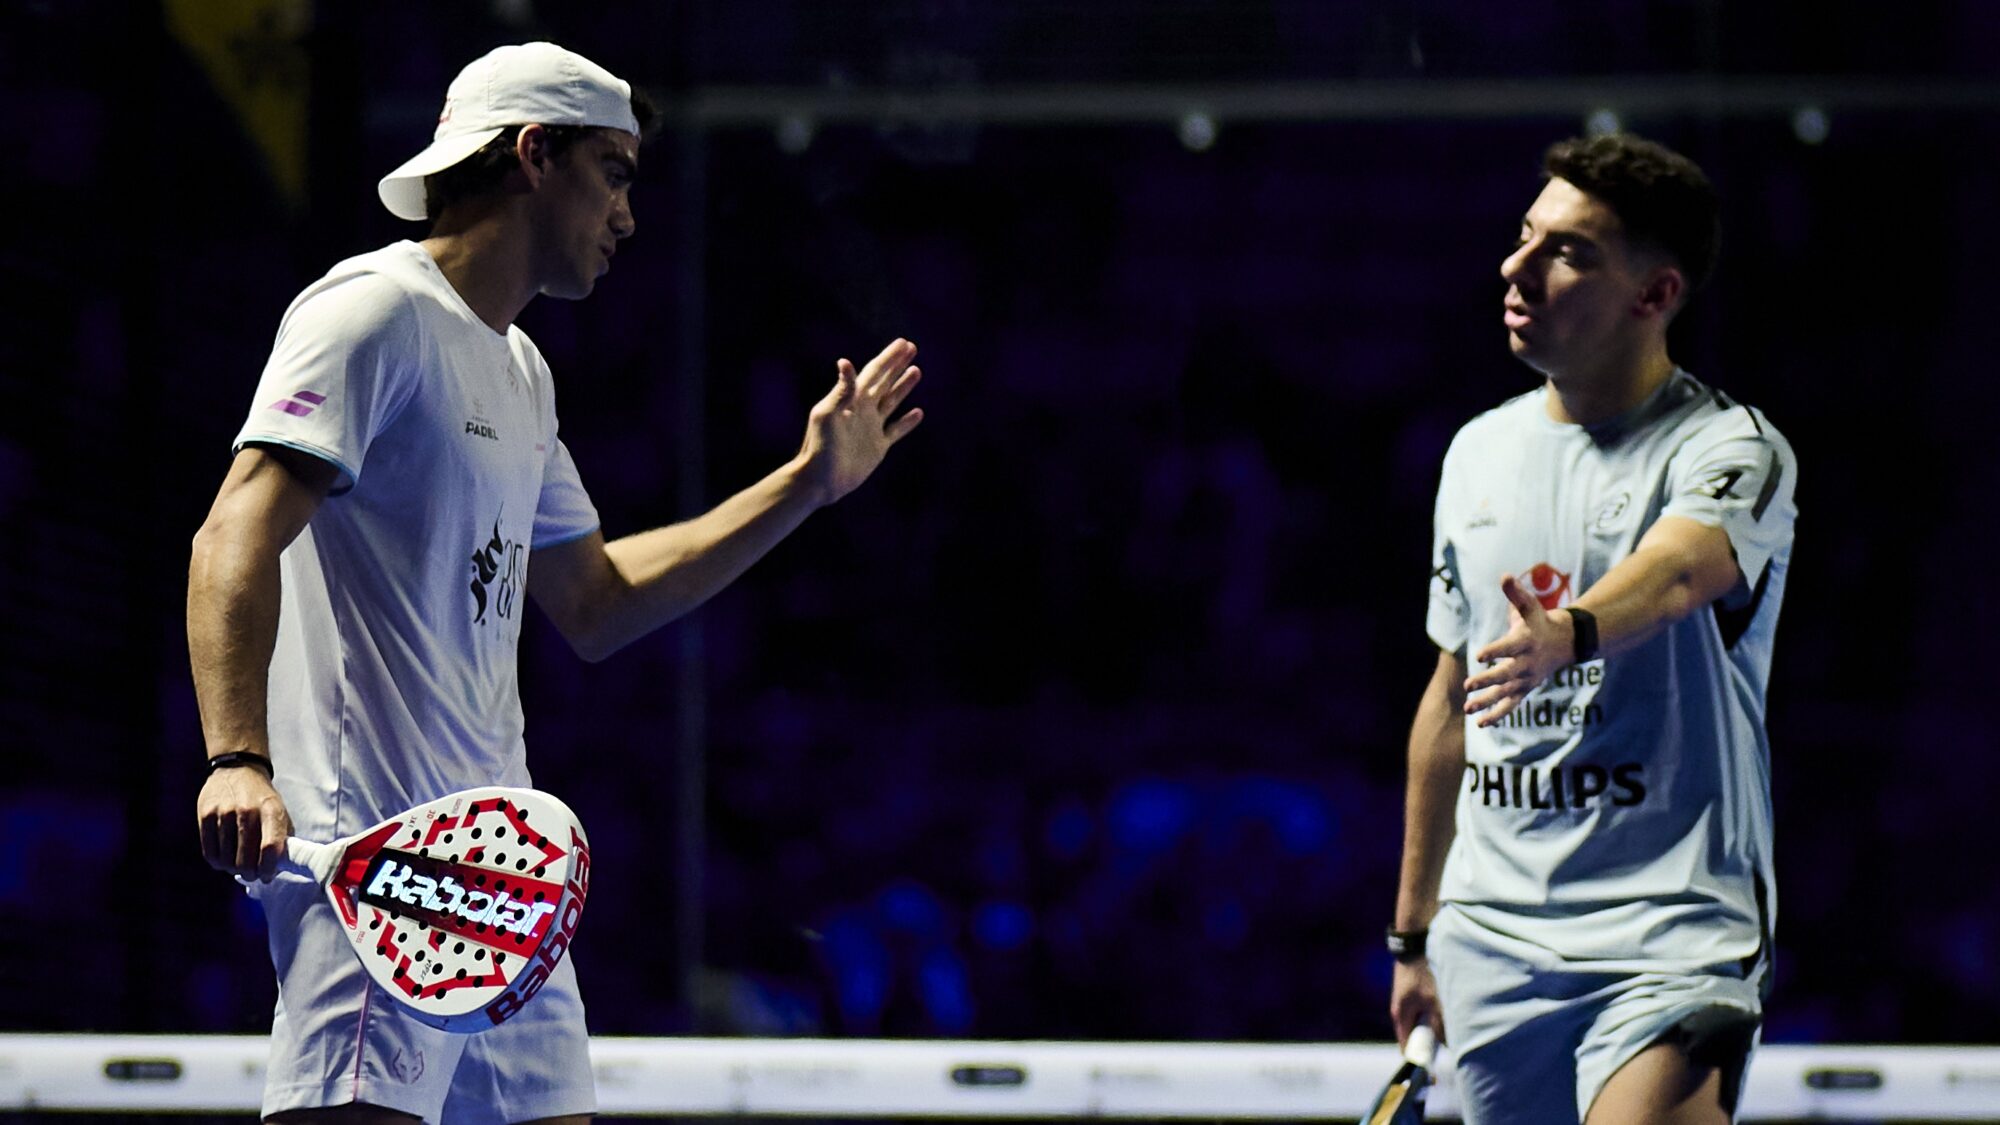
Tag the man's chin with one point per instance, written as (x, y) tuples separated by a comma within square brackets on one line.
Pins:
[(1527, 353), (570, 291)]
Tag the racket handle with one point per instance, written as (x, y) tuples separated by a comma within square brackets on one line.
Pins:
[(303, 860), (313, 860), (1421, 1047)]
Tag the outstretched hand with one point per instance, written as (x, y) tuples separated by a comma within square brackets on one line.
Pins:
[(850, 430), (1535, 646)]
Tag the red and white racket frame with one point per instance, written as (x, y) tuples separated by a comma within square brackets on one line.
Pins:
[(461, 907)]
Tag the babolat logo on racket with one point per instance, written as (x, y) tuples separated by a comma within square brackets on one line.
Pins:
[(551, 952), (416, 886)]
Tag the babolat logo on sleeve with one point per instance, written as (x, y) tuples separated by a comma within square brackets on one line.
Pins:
[(460, 899)]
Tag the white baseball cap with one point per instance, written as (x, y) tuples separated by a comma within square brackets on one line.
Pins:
[(528, 84)]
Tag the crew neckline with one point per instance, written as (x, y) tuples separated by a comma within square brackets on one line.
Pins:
[(1617, 423)]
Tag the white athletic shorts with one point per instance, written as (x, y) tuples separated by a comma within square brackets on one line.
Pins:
[(1534, 1041), (337, 1037)]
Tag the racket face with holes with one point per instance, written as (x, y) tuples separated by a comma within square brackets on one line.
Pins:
[(463, 906)]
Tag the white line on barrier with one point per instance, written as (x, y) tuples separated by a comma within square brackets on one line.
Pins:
[(989, 1078)]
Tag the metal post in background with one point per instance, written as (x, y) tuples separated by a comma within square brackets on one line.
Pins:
[(691, 683)]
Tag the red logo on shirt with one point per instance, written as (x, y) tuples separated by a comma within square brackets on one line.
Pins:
[(1549, 585)]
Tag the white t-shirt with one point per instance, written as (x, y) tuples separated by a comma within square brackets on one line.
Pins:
[(394, 676), (1621, 815)]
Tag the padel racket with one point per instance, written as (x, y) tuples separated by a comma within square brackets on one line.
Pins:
[(460, 907), (1402, 1100)]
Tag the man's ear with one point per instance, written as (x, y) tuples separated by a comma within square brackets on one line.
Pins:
[(1661, 295), (531, 152)]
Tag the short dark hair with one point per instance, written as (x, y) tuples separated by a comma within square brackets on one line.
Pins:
[(482, 172), (1661, 197)]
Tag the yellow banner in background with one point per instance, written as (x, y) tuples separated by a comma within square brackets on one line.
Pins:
[(253, 51)]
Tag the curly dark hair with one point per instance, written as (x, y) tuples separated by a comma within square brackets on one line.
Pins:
[(1661, 197), (482, 172)]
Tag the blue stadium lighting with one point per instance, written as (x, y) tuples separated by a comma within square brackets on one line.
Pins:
[(1002, 926)]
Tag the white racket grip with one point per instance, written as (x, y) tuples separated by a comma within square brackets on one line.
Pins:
[(1421, 1047), (303, 862), (313, 860)]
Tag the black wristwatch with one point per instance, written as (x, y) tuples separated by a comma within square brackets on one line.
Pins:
[(236, 758), (1585, 624), (1407, 945)]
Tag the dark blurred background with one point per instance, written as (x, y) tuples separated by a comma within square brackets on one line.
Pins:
[(1085, 718)]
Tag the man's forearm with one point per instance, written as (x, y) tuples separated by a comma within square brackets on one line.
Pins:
[(232, 627), (662, 574), (1678, 569), (1436, 770)]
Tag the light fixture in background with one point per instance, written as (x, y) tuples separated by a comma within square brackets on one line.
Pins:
[(1810, 124), (1602, 123), (794, 134), (1197, 132)]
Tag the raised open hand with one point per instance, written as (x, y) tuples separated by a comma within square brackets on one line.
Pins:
[(851, 429)]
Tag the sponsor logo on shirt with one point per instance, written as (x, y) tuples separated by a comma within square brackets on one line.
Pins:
[(497, 569), (1546, 712), (1556, 787), (1607, 516), (299, 403), (1484, 517), (1549, 585), (1443, 573), (478, 425), (1718, 486)]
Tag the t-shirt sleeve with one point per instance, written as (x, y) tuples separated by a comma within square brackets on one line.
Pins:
[(342, 367), (1449, 620), (565, 512), (1738, 476)]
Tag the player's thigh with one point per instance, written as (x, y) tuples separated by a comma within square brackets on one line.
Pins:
[(1669, 1040), (336, 1038), (1513, 1026), (1526, 1077), (1661, 1085), (534, 1067)]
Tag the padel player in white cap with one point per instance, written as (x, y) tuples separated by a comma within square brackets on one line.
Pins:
[(1586, 899), (399, 493)]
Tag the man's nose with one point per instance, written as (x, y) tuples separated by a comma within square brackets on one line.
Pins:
[(1515, 267)]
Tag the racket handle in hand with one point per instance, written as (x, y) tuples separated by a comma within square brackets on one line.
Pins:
[(313, 860), (1421, 1047), (304, 860)]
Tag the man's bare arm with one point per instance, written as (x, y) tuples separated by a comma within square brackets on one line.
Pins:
[(603, 596), (1430, 805), (1680, 566), (232, 625)]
